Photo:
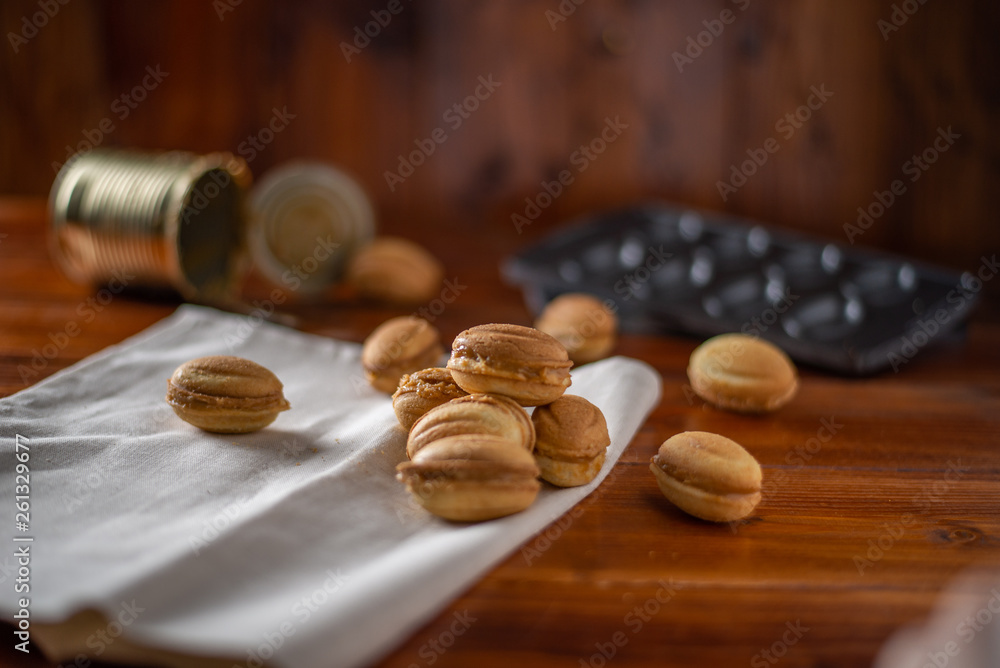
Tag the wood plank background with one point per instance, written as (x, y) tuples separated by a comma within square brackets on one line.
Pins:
[(230, 65)]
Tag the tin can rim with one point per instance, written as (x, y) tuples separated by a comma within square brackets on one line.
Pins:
[(292, 182)]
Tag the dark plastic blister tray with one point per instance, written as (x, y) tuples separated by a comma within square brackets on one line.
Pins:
[(671, 269)]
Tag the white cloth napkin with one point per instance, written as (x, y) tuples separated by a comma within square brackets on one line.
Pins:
[(294, 544)]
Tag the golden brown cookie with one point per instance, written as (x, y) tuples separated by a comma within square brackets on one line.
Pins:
[(471, 478), (395, 270), (473, 414), (742, 373), (708, 476), (571, 440), (522, 363), (225, 394), (399, 346), (420, 391), (582, 323)]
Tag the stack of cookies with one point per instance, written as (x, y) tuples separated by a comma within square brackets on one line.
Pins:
[(474, 451)]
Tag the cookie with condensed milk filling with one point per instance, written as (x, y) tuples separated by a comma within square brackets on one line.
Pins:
[(519, 362)]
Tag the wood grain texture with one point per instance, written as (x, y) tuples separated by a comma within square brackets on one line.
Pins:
[(910, 457), (561, 77)]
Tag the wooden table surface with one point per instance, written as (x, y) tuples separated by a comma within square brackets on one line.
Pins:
[(905, 461)]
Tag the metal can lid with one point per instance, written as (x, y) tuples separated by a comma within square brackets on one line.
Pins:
[(306, 220)]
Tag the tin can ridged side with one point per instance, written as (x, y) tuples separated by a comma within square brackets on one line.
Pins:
[(118, 212)]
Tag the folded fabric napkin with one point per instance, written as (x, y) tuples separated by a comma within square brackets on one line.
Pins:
[(294, 545)]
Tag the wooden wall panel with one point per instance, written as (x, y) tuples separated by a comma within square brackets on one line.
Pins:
[(52, 90), (559, 81)]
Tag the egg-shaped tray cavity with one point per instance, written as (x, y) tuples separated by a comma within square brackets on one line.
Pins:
[(671, 269)]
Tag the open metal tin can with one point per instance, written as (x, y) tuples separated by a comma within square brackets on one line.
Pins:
[(190, 223), (170, 220)]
